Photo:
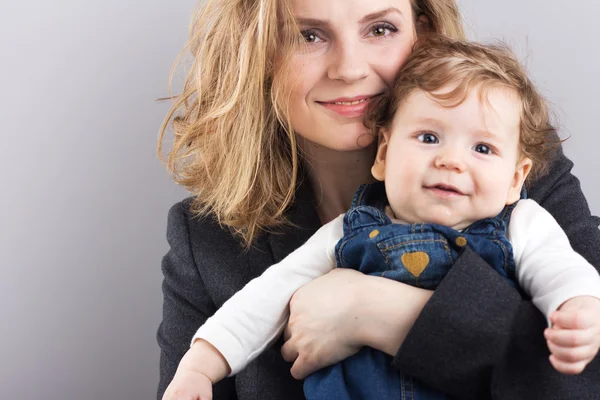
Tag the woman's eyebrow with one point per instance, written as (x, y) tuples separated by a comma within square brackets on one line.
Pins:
[(312, 22), (380, 14), (367, 18)]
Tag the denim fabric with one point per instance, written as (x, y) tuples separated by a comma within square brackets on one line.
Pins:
[(420, 255)]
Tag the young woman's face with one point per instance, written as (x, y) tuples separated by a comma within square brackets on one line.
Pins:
[(351, 52)]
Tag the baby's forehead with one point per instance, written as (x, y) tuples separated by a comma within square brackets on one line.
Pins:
[(483, 97), (454, 93), (495, 109)]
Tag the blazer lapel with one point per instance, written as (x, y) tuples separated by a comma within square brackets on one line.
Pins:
[(303, 215)]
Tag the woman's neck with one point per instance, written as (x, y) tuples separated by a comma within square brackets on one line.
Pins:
[(335, 176)]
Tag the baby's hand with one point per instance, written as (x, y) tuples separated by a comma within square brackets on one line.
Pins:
[(574, 338), (189, 385), (200, 366)]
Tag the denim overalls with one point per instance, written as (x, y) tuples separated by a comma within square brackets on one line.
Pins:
[(419, 255)]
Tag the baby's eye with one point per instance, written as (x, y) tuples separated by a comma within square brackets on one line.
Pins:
[(310, 36), (428, 138), (482, 148)]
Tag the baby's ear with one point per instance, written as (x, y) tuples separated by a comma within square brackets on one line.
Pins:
[(378, 168), (521, 171)]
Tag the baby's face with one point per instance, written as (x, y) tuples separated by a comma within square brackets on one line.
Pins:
[(453, 165)]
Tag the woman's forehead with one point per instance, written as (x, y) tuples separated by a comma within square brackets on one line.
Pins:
[(349, 10)]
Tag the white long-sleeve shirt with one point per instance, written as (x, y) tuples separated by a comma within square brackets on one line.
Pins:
[(547, 269)]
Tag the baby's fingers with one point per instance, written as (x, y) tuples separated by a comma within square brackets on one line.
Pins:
[(567, 367), (181, 395), (189, 385), (572, 354), (573, 319), (569, 337)]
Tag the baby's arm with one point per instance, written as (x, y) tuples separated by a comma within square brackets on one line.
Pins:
[(557, 278), (252, 318), (255, 316)]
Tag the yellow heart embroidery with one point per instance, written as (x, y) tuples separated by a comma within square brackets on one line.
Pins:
[(415, 262)]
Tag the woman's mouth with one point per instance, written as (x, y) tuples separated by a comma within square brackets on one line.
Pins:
[(349, 107), (351, 103)]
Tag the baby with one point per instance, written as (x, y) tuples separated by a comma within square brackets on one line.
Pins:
[(459, 134)]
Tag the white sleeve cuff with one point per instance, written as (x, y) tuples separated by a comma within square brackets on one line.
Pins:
[(230, 346)]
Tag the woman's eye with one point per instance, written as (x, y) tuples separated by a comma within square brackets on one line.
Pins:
[(483, 149), (428, 138), (310, 36), (382, 30)]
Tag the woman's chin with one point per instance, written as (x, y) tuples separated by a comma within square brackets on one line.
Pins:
[(341, 143)]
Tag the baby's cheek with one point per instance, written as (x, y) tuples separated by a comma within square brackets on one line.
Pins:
[(496, 201)]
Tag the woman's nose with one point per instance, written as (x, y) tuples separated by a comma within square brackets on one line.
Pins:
[(348, 63)]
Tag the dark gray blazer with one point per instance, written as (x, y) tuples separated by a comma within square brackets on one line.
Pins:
[(475, 339)]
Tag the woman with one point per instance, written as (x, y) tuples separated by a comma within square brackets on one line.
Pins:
[(270, 141)]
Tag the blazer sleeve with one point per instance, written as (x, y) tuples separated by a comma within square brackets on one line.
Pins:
[(478, 339), (186, 303)]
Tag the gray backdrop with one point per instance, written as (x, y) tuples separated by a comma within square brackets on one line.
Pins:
[(84, 201)]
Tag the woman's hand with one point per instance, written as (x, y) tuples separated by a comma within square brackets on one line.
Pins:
[(332, 317), (322, 328)]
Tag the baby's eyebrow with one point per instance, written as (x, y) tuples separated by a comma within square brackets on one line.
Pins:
[(476, 132), (429, 121), (487, 134), (484, 132)]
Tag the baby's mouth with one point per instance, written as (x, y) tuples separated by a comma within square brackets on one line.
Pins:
[(445, 189)]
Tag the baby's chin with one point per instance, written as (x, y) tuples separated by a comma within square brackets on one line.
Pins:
[(456, 222), (457, 225)]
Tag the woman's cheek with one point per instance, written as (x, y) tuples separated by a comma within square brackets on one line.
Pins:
[(390, 70)]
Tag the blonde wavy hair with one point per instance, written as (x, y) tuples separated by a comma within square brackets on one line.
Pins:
[(438, 61), (234, 148)]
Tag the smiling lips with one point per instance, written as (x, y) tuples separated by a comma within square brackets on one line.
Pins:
[(349, 107), (444, 191)]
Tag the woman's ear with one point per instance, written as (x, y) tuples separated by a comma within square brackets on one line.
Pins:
[(423, 25), (521, 171), (378, 168)]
